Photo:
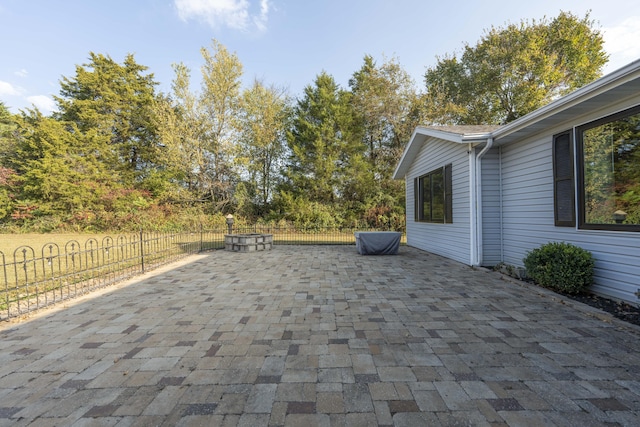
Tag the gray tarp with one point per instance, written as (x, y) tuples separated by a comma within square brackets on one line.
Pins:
[(377, 242)]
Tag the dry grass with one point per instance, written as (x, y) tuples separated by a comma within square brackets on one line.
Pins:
[(40, 268), (10, 242)]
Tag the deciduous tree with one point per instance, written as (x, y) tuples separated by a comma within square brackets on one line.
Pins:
[(387, 107), (220, 100), (264, 121), (180, 124), (515, 70), (384, 98), (200, 130)]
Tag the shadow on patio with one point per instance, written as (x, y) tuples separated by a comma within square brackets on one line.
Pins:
[(319, 335)]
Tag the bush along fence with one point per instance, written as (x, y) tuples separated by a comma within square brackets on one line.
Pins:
[(35, 278)]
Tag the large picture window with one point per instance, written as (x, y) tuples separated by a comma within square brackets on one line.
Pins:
[(433, 196), (609, 172)]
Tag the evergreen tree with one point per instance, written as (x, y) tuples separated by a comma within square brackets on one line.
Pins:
[(319, 141), (7, 156), (60, 170), (7, 136), (116, 101)]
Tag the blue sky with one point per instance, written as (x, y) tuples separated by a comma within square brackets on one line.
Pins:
[(282, 42)]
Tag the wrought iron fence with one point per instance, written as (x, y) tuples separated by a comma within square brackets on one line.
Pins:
[(32, 279)]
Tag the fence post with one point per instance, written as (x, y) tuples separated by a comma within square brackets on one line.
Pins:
[(6, 283), (141, 252), (201, 237)]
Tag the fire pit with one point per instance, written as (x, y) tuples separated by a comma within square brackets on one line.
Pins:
[(249, 242)]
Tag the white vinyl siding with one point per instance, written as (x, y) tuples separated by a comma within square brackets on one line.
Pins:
[(491, 222), (449, 240), (528, 221), (523, 220), (527, 198), (518, 201)]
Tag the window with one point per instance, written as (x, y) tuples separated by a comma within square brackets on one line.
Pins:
[(433, 201), (609, 172)]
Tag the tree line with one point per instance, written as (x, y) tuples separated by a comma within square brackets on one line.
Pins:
[(118, 154)]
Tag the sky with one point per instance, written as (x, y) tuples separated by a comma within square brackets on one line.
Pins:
[(284, 43)]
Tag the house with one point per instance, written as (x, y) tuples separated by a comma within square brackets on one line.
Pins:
[(567, 172)]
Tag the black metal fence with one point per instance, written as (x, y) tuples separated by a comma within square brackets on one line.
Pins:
[(32, 279)]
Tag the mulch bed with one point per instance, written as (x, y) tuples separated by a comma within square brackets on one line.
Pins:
[(621, 310)]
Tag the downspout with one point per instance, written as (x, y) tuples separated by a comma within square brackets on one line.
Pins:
[(501, 206), (473, 234), (477, 249)]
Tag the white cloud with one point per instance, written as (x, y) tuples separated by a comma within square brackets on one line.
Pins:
[(43, 102), (7, 89), (235, 14), (21, 73), (261, 20), (621, 42)]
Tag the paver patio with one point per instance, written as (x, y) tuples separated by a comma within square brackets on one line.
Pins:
[(320, 336)]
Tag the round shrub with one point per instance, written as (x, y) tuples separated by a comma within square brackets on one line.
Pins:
[(560, 266)]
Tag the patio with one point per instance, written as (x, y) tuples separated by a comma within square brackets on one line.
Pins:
[(319, 336)]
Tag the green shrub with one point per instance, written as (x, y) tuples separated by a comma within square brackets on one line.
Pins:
[(560, 266)]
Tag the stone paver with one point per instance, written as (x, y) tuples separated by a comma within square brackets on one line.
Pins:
[(319, 336)]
